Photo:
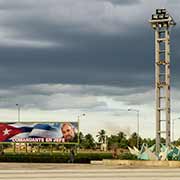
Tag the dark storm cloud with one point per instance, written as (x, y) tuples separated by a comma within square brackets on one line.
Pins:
[(81, 54), (90, 58), (94, 60), (12, 5)]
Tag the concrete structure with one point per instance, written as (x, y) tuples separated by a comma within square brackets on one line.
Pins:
[(161, 22), (138, 163)]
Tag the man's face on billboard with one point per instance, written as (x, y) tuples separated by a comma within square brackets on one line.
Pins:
[(68, 132)]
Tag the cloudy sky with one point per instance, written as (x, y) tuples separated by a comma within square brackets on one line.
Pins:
[(62, 58)]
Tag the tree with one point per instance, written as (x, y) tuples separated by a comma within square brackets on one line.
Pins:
[(177, 142), (101, 136), (89, 142), (118, 141), (81, 137), (122, 141), (112, 142), (149, 141), (132, 141)]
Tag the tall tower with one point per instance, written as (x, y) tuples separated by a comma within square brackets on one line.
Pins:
[(161, 22)]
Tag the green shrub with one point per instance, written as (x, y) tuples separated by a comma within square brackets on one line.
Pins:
[(127, 156), (53, 158)]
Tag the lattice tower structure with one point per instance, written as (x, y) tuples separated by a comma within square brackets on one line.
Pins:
[(161, 22)]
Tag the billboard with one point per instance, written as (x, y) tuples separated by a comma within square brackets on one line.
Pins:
[(39, 132)]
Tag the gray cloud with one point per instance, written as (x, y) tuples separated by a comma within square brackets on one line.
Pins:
[(61, 96), (74, 90), (86, 98), (138, 98), (14, 5), (52, 98), (123, 2), (89, 43)]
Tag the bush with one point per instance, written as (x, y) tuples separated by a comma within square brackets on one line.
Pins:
[(127, 156), (53, 158), (87, 157)]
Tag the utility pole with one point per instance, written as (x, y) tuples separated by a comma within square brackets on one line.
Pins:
[(137, 112)]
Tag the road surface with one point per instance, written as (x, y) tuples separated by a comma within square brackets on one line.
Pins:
[(31, 171)]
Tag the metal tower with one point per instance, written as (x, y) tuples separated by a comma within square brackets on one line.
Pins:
[(161, 22)]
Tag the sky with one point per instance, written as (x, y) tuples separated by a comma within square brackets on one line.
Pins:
[(60, 59)]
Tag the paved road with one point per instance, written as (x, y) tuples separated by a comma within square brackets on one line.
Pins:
[(83, 172)]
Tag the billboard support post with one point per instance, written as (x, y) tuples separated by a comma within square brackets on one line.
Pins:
[(39, 145), (14, 147), (26, 147), (51, 148)]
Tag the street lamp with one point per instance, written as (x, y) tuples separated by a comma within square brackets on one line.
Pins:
[(137, 111), (173, 127), (80, 116), (18, 109), (78, 119)]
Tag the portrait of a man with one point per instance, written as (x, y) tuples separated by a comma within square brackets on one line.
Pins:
[(68, 132)]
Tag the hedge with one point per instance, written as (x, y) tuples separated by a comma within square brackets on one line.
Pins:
[(127, 156), (53, 158)]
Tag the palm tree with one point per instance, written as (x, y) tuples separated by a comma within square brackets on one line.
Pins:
[(101, 136), (122, 141), (121, 136)]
